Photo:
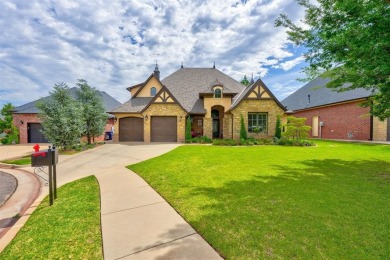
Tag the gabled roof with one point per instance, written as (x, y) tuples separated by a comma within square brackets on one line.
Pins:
[(164, 96), (186, 84), (320, 95), (252, 87), (146, 82), (30, 108), (134, 105)]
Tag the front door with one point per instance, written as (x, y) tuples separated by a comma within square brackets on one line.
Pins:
[(215, 128)]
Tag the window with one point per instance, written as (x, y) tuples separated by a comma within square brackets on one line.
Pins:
[(200, 122), (257, 122), (217, 93), (153, 91)]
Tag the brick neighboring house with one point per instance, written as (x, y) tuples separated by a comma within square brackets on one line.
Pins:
[(26, 119), (157, 109), (336, 115)]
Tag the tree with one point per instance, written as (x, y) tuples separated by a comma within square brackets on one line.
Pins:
[(7, 127), (347, 41), (245, 81), (278, 128), (61, 116), (296, 128), (94, 115), (188, 129), (243, 133)]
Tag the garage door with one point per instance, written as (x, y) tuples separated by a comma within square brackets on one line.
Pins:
[(35, 133), (164, 129), (131, 129)]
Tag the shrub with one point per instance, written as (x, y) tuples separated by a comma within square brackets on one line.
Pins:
[(188, 129), (278, 128), (225, 142), (200, 140), (243, 133), (294, 142)]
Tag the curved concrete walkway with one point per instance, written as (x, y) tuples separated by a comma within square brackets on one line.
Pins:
[(137, 223)]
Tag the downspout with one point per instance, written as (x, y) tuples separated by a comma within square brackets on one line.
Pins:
[(371, 124)]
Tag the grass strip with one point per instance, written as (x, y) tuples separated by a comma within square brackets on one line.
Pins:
[(19, 161), (68, 229)]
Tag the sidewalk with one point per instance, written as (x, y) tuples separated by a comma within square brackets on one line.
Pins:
[(137, 223)]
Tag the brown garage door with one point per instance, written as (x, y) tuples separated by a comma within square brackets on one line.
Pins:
[(164, 129), (131, 129)]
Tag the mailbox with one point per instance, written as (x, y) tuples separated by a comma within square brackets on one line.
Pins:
[(55, 155), (41, 158)]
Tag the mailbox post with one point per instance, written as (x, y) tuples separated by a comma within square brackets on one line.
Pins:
[(48, 158)]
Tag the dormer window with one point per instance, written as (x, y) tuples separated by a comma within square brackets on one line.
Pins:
[(153, 91), (217, 93)]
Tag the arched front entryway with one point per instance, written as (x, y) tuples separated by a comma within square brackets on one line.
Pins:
[(217, 121)]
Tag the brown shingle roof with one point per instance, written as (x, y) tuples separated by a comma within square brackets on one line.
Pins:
[(186, 84)]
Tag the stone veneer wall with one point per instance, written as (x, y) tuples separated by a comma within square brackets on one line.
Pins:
[(260, 106), (165, 109)]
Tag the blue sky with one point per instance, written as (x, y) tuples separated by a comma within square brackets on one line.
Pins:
[(115, 44)]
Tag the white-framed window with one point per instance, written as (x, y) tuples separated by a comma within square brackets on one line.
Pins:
[(257, 122)]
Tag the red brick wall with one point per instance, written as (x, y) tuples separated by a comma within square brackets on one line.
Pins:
[(33, 118), (26, 118), (339, 120)]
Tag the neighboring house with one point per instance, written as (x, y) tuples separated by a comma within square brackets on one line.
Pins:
[(336, 115), (26, 119), (157, 109)]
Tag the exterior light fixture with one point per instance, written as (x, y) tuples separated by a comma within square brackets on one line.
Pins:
[(146, 118), (21, 122)]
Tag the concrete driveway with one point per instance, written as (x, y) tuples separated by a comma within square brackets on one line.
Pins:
[(137, 223)]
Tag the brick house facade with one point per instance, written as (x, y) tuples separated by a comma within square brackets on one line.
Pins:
[(336, 115), (26, 119)]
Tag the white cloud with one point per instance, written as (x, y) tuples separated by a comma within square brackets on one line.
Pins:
[(287, 65), (114, 44)]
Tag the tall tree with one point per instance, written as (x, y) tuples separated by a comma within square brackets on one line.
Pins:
[(61, 117), (6, 125), (347, 41), (245, 81), (94, 114)]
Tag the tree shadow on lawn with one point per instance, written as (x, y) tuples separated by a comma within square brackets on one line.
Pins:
[(323, 208)]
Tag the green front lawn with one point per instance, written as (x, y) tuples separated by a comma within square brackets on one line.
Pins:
[(70, 229), (331, 201)]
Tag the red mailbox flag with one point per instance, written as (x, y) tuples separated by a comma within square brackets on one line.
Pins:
[(36, 147)]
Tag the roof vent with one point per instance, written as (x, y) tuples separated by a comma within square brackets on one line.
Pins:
[(308, 99)]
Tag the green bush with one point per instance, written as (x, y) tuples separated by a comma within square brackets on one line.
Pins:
[(200, 140), (188, 129), (243, 133), (294, 142), (225, 142), (278, 128)]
